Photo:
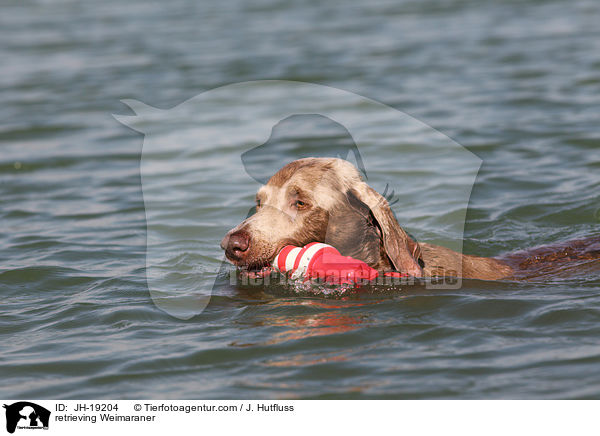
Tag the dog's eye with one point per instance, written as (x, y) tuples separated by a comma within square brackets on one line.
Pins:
[(300, 204)]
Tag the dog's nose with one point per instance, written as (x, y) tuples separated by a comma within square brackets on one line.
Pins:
[(224, 242), (237, 244)]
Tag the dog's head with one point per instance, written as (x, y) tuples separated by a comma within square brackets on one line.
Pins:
[(322, 200)]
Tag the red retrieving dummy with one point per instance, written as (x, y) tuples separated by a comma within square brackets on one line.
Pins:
[(322, 261)]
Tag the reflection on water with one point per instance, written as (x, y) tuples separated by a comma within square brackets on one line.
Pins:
[(329, 320)]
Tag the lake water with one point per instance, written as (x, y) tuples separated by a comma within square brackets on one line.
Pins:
[(516, 84)]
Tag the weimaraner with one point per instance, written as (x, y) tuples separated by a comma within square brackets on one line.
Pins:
[(326, 200)]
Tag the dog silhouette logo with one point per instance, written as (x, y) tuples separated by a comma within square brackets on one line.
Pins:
[(191, 158), (26, 415)]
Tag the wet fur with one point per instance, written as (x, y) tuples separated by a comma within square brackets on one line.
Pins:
[(342, 210)]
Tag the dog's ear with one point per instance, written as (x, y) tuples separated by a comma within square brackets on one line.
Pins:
[(404, 253)]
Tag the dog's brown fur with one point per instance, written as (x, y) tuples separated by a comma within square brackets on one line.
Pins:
[(326, 200)]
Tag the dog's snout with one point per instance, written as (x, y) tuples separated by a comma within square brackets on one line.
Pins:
[(236, 244), (224, 242), (239, 241)]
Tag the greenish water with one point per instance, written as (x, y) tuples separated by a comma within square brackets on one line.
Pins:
[(517, 84)]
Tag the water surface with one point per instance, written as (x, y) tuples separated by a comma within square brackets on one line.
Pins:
[(517, 84)]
